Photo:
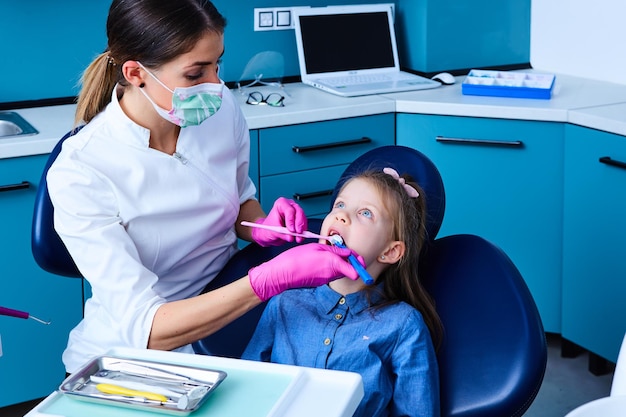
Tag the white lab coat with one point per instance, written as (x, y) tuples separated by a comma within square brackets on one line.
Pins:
[(144, 227)]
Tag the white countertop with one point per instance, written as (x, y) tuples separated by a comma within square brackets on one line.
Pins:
[(611, 118), (569, 93), (304, 104), (52, 123), (589, 103)]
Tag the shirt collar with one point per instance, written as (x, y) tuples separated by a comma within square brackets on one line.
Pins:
[(125, 129), (327, 299)]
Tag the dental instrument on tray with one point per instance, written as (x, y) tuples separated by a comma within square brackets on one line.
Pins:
[(127, 392), (178, 393), (136, 385), (155, 374), (336, 240), (4, 311), (131, 400)]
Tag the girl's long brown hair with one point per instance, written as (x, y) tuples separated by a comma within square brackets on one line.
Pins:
[(400, 280)]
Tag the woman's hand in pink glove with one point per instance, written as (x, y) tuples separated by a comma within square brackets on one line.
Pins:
[(285, 213), (309, 265)]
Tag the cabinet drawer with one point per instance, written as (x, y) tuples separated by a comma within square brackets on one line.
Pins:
[(311, 189), (313, 145)]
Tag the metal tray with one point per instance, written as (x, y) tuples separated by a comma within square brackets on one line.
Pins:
[(184, 388)]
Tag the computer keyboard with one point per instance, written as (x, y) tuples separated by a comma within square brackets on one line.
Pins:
[(358, 79), (371, 79)]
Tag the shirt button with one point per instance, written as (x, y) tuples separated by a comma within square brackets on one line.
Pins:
[(327, 341), (338, 316), (342, 301)]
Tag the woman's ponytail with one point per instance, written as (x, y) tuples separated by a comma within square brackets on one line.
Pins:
[(98, 82)]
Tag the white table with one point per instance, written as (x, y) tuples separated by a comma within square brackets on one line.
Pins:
[(613, 406), (311, 392)]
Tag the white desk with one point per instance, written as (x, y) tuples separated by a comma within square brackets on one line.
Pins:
[(311, 392), (613, 406)]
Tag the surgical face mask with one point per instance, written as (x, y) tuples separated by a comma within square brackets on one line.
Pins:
[(190, 105)]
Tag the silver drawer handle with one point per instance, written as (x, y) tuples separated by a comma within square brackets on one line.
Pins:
[(505, 143)]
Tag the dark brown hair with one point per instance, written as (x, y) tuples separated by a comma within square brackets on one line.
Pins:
[(150, 31)]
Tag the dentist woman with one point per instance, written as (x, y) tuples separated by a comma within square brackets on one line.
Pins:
[(149, 194)]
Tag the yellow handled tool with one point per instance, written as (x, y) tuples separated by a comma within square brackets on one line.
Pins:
[(126, 392)]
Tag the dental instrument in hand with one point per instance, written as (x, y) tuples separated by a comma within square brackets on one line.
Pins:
[(335, 240), (279, 229), (365, 276), (4, 311)]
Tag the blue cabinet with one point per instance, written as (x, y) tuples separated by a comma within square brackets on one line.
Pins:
[(594, 240), (303, 162), (503, 181), (30, 364)]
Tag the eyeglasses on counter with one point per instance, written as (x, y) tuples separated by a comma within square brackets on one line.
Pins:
[(272, 99)]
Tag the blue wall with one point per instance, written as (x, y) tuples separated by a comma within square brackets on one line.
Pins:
[(45, 45)]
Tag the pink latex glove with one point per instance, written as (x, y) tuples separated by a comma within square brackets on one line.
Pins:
[(309, 265), (285, 213)]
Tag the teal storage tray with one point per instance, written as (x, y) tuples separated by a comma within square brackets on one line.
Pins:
[(508, 84)]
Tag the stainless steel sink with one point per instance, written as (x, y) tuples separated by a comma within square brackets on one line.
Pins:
[(12, 124)]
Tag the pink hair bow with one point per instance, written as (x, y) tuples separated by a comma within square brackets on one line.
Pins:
[(412, 192)]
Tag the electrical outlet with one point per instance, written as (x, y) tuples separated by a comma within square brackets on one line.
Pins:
[(274, 18)]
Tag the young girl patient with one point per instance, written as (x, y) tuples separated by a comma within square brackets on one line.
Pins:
[(383, 331)]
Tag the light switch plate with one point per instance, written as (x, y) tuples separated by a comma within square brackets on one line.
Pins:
[(283, 18), (266, 19), (274, 18)]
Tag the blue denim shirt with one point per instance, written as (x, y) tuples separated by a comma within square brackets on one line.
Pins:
[(390, 346)]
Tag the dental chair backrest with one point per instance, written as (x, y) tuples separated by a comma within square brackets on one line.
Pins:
[(48, 249), (493, 356), (405, 161)]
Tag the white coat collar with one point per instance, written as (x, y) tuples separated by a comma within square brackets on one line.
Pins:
[(124, 128)]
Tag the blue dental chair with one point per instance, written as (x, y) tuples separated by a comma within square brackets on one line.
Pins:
[(493, 356), (48, 249)]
